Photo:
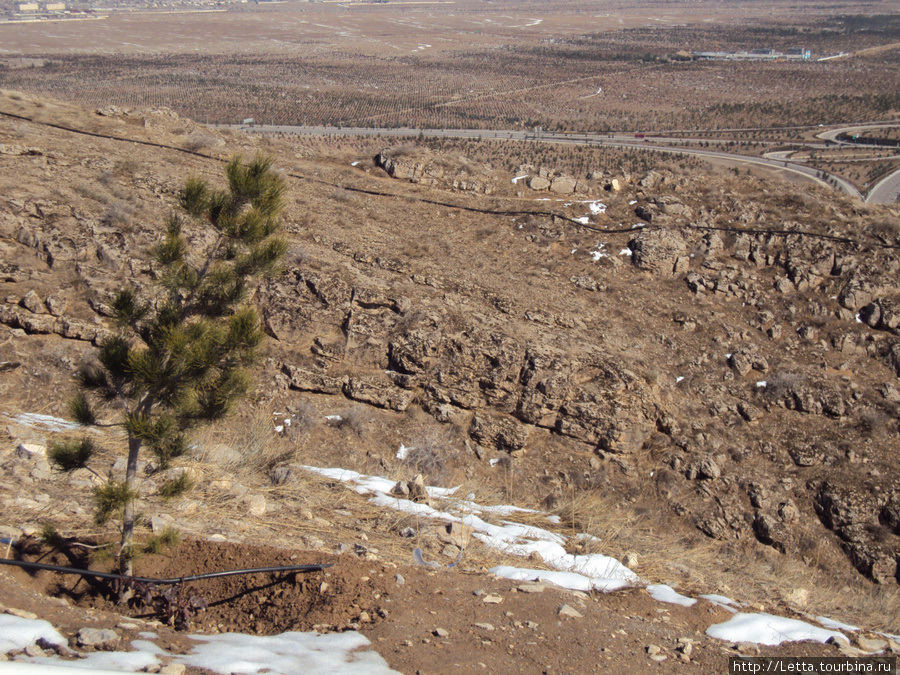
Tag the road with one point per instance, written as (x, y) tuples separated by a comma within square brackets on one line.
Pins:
[(652, 143), (885, 191)]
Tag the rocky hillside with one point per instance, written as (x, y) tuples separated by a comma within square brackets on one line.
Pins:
[(722, 352)]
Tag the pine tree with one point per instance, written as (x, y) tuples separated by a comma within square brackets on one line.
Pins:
[(180, 355)]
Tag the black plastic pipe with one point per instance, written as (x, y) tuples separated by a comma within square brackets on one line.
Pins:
[(162, 582)]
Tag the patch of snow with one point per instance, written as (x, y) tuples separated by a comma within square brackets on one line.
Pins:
[(356, 163), (632, 202), (518, 178), (720, 600), (333, 418), (664, 593), (626, 251), (510, 537), (288, 653), (679, 379), (279, 428), (638, 226), (17, 633), (494, 462), (403, 452), (571, 580), (858, 319), (768, 629), (584, 220), (46, 422), (762, 384), (599, 253), (835, 625), (105, 662)]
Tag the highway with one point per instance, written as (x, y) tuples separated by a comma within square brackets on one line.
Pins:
[(885, 192)]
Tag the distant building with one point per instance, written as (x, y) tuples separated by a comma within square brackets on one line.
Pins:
[(794, 54), (29, 7), (56, 6)]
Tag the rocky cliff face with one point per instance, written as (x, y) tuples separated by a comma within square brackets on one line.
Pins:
[(738, 359)]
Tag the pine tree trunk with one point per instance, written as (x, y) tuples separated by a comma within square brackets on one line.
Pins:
[(125, 566)]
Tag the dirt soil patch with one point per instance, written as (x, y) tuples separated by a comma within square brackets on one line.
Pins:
[(421, 620)]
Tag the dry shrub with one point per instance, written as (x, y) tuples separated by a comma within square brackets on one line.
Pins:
[(433, 455), (118, 214), (780, 385), (354, 420), (343, 195), (255, 446), (198, 141), (887, 229)]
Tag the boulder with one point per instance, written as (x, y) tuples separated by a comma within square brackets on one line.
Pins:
[(564, 185), (657, 250), (502, 433), (379, 394), (306, 380)]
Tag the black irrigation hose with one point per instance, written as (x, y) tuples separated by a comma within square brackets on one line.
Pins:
[(161, 582)]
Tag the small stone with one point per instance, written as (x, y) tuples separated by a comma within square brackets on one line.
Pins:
[(531, 588), (485, 626), (173, 669), (21, 613), (34, 650), (401, 489), (30, 450), (364, 617), (400, 580), (127, 625), (492, 599), (441, 632), (798, 597), (871, 645), (256, 505), (653, 649), (33, 303), (99, 638), (659, 658), (407, 532), (571, 612), (631, 560)]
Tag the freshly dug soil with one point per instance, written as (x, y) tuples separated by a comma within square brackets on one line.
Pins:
[(421, 620)]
